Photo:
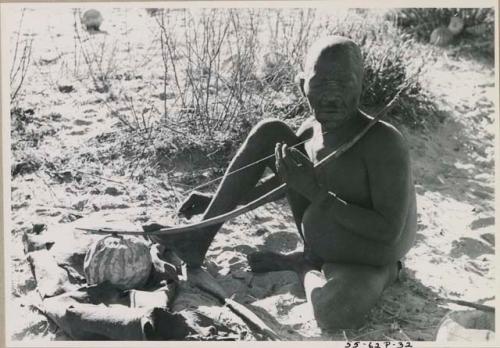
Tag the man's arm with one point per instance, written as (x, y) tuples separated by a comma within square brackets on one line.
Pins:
[(389, 174)]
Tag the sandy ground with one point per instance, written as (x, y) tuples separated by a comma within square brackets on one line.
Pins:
[(453, 162)]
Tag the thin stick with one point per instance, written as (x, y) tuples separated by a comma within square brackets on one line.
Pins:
[(100, 177), (251, 319), (477, 306)]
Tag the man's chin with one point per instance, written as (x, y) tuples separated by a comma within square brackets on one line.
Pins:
[(330, 126)]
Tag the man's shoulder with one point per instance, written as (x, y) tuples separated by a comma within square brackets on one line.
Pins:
[(384, 136)]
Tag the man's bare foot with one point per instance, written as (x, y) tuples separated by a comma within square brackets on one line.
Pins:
[(268, 261), (196, 203)]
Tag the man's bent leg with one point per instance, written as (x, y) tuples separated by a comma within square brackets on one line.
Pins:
[(343, 294), (260, 143)]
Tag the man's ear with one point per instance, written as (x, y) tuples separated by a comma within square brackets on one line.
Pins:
[(300, 80)]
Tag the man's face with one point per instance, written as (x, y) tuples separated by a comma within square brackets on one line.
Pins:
[(332, 91)]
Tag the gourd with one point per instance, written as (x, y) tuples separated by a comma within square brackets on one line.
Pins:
[(442, 36), (124, 261), (92, 20)]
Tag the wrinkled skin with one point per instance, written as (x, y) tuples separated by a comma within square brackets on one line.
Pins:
[(356, 214)]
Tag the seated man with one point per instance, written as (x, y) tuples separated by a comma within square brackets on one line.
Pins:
[(356, 213)]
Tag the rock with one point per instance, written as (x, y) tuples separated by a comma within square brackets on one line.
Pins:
[(80, 205), (64, 177), (163, 96), (80, 122), (25, 167), (95, 191), (113, 191), (69, 217), (260, 232), (33, 242), (66, 88), (38, 228)]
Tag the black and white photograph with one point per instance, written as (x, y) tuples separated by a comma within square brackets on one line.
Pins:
[(249, 171)]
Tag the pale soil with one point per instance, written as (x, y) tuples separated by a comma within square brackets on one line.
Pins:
[(453, 256)]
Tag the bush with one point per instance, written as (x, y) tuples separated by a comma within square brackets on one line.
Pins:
[(224, 70), (272, 68)]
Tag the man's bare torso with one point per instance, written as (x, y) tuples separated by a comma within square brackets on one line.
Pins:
[(347, 176)]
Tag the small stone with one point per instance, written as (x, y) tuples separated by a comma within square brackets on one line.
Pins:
[(260, 232), (66, 89), (112, 191), (38, 228), (55, 116)]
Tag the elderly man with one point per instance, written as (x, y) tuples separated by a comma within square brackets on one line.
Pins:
[(356, 213)]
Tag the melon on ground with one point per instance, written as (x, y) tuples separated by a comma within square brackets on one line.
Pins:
[(123, 261)]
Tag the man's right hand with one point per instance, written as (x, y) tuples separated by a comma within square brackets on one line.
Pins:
[(297, 171), (195, 204)]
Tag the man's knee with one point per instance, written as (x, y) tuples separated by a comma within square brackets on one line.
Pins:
[(343, 303), (332, 314), (269, 132)]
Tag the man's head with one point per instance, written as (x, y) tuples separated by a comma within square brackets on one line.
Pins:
[(332, 79)]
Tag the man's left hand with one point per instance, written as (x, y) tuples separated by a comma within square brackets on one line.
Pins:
[(296, 170)]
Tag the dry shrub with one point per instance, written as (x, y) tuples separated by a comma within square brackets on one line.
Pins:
[(210, 54), (20, 61), (226, 69), (236, 66)]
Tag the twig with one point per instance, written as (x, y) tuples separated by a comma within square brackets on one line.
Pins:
[(23, 65), (50, 188), (345, 336), (251, 319), (12, 74), (100, 177), (477, 306), (22, 62), (165, 66)]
